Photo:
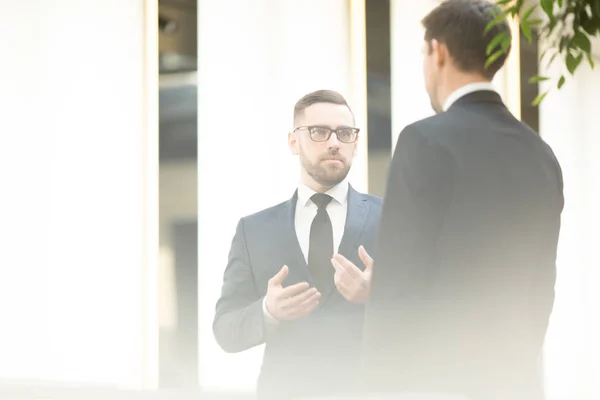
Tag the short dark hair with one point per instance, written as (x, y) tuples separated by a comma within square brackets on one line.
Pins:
[(319, 96), (460, 25)]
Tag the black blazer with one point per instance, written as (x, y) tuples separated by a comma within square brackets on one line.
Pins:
[(316, 355), (463, 285)]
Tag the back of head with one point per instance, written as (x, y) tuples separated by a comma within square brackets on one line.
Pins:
[(460, 26)]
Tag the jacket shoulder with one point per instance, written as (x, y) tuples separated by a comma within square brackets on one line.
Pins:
[(264, 216), (375, 200)]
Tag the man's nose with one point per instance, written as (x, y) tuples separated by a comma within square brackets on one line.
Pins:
[(333, 141)]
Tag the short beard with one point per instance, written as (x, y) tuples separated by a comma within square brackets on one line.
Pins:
[(320, 174)]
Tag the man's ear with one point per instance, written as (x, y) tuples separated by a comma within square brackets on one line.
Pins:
[(293, 142), (440, 52)]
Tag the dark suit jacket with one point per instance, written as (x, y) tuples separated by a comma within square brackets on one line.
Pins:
[(463, 285), (316, 355)]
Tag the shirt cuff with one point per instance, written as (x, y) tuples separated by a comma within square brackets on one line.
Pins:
[(269, 319)]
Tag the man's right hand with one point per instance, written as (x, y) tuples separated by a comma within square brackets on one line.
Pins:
[(292, 302)]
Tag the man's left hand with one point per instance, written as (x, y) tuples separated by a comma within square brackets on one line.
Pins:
[(350, 281)]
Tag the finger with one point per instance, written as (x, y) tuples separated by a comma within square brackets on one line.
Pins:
[(340, 283), (365, 257), (340, 272), (344, 282), (344, 290), (345, 267), (306, 308), (300, 298), (309, 301), (292, 290), (279, 277)]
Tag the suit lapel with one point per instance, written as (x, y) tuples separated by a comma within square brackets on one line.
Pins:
[(356, 216), (297, 262)]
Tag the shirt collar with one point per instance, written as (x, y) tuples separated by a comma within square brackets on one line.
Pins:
[(465, 90), (339, 193)]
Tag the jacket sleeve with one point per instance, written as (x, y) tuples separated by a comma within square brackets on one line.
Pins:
[(238, 324), (544, 277)]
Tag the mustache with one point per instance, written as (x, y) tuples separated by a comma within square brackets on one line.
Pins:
[(332, 156)]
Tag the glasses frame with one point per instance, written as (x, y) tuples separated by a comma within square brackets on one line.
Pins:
[(331, 131)]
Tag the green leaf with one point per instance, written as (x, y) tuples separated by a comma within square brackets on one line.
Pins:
[(573, 62), (497, 20), (563, 43), (506, 45), (548, 7), (590, 60), (491, 59), (538, 78), (551, 59), (582, 41), (560, 3), (535, 22), (539, 99), (503, 2), (596, 8), (589, 25), (519, 4), (561, 82), (578, 60), (528, 12), (526, 29), (496, 41), (552, 24)]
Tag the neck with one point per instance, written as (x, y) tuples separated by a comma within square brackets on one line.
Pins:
[(457, 81), (312, 184)]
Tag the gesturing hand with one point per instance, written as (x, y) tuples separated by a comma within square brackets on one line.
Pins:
[(351, 282), (292, 302)]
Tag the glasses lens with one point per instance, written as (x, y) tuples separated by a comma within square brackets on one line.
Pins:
[(347, 135), (319, 134)]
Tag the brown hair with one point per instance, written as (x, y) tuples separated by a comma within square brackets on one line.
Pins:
[(460, 25), (319, 96)]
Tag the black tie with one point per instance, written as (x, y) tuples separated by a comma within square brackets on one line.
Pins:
[(320, 248)]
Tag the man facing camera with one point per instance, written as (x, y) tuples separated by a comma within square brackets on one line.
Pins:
[(463, 286), (299, 273)]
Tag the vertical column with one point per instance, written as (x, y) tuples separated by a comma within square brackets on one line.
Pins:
[(358, 95), (82, 164), (256, 58), (568, 123), (25, 181)]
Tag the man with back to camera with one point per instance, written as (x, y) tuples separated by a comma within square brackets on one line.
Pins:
[(463, 287), (283, 284)]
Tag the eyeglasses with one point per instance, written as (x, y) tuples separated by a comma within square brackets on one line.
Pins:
[(323, 133)]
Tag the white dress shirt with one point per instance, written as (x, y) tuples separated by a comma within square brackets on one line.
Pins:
[(306, 211), (465, 90)]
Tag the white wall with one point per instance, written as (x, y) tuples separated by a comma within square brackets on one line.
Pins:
[(569, 123), (78, 166), (257, 58)]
